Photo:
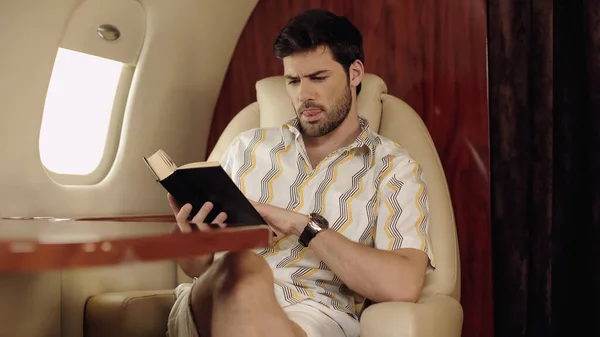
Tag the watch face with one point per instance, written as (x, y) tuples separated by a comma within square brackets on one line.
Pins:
[(321, 221)]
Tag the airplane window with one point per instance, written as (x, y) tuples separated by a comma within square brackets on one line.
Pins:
[(77, 112)]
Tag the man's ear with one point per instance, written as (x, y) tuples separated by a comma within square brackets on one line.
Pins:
[(356, 72)]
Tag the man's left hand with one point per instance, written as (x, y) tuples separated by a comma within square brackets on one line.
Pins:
[(283, 222)]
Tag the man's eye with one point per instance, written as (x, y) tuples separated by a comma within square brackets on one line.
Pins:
[(319, 78), (292, 82)]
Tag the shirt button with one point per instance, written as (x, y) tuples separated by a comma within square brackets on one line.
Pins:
[(309, 184)]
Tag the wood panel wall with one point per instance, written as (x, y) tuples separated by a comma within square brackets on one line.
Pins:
[(431, 54)]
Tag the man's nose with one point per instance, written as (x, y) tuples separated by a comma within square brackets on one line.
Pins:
[(305, 92)]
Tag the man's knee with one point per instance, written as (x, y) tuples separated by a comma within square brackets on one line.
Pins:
[(235, 275), (237, 271)]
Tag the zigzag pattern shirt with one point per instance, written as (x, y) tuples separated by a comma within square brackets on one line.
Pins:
[(372, 192)]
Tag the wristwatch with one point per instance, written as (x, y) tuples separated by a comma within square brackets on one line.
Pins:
[(316, 224)]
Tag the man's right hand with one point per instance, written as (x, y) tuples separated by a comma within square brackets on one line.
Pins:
[(196, 266)]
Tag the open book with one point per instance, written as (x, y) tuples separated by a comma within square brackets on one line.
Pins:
[(197, 183)]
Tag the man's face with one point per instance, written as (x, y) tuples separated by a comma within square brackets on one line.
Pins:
[(319, 89)]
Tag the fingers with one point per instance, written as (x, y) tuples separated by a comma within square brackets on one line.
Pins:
[(203, 227), (202, 213), (220, 219), (218, 222), (180, 226), (182, 214), (173, 203)]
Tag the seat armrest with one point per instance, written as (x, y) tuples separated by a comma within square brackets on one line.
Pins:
[(432, 316), (128, 314)]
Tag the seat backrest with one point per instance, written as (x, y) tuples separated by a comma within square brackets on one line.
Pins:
[(391, 118)]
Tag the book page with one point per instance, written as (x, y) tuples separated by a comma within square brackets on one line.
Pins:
[(201, 164), (161, 164)]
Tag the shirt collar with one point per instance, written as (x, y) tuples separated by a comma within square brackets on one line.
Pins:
[(366, 138)]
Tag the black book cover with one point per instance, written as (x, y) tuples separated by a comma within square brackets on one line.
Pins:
[(197, 184)]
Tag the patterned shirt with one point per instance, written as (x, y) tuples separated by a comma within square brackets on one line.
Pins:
[(372, 192)]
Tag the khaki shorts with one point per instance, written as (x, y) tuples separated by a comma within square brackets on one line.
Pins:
[(314, 321)]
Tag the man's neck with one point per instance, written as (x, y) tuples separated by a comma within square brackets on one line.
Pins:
[(345, 134)]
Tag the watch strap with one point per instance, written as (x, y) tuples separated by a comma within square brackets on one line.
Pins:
[(316, 224), (306, 236)]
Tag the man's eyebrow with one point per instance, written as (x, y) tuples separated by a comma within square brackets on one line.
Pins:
[(316, 73)]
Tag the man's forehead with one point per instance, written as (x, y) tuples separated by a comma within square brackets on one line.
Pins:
[(308, 63)]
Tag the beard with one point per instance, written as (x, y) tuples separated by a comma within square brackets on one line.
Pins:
[(331, 119)]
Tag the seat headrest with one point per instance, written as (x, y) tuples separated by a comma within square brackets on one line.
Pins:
[(276, 107)]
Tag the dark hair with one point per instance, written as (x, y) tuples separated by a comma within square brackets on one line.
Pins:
[(317, 27)]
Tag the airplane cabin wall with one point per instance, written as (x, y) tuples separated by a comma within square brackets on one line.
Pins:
[(175, 87)]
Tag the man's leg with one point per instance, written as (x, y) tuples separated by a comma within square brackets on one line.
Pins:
[(235, 297)]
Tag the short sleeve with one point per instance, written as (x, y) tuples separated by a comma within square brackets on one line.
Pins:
[(403, 216), (228, 158)]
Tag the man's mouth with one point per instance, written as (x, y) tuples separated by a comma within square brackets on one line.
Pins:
[(312, 114)]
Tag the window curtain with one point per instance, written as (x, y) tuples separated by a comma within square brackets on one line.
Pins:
[(544, 94)]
